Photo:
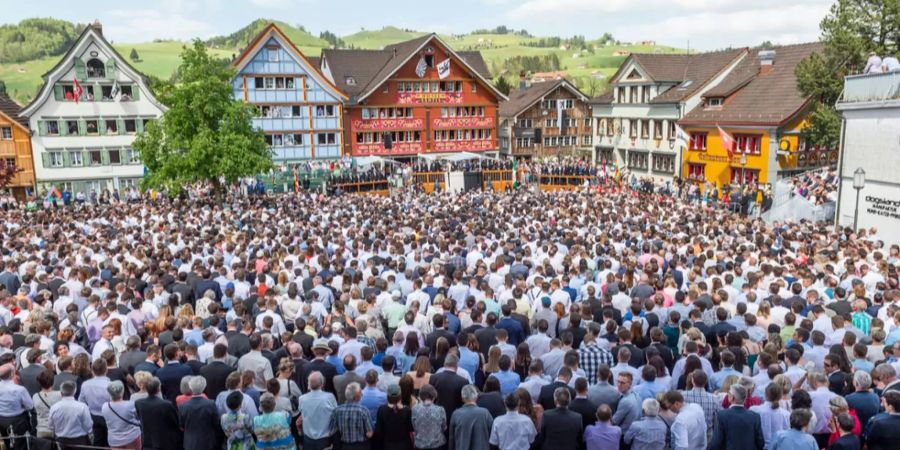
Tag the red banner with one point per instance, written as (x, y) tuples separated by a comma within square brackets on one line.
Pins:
[(387, 124), (378, 148), (463, 146), (463, 122), (420, 98)]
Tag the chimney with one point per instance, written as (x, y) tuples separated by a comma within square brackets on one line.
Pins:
[(98, 27), (766, 61), (522, 83)]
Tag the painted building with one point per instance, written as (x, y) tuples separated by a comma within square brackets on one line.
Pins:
[(758, 104), (299, 110), (635, 120), (85, 145), (530, 123), (15, 148), (415, 97), (870, 107)]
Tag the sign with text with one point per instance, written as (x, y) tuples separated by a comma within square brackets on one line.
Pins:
[(463, 146), (387, 124), (462, 122), (421, 98), (378, 148), (884, 207)]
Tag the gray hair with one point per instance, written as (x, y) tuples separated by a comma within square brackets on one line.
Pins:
[(650, 407), (185, 385), (862, 379), (738, 394), (451, 361), (210, 294), (68, 388), (116, 390), (469, 393), (352, 391), (885, 371), (267, 402), (562, 397), (198, 385), (315, 381)]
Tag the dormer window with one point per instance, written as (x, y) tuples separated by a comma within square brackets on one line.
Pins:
[(350, 81), (715, 101), (96, 68)]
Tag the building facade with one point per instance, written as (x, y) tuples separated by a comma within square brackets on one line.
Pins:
[(84, 144), (759, 106), (870, 107), (415, 97), (635, 120), (299, 110), (546, 119), (15, 148)]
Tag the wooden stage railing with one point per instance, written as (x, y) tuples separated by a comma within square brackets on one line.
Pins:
[(377, 187), (550, 182)]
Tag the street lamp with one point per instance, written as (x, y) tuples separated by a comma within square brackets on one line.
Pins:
[(859, 182)]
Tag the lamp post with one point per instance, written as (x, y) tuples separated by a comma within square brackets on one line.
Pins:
[(859, 182), (743, 169)]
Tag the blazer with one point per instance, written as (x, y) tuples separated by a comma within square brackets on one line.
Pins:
[(328, 371), (546, 396), (449, 389), (884, 432), (170, 377), (159, 423), (202, 428), (586, 408), (215, 373), (342, 381), (737, 428), (560, 428)]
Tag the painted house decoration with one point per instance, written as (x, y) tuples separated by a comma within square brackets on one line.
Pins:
[(299, 110), (85, 117), (415, 97)]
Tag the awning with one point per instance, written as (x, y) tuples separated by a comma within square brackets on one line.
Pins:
[(367, 161), (465, 156)]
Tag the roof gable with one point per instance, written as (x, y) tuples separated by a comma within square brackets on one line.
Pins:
[(521, 100), (10, 109)]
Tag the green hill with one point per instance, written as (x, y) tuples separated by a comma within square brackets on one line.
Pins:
[(377, 39), (240, 38), (35, 38)]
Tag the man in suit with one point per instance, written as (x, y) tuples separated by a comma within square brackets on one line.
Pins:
[(737, 428), (133, 355), (514, 329), (487, 336), (183, 289), (28, 375), (884, 431), (560, 427), (448, 385), (170, 375), (216, 371), (208, 284), (320, 349), (440, 331), (238, 341), (581, 404), (350, 376), (159, 420), (200, 419), (546, 398)]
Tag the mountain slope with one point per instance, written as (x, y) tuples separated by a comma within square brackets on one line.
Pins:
[(240, 38), (377, 39)]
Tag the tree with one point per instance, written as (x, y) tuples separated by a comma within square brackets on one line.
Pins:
[(503, 86), (851, 29), (7, 173), (2, 87), (134, 55), (205, 135)]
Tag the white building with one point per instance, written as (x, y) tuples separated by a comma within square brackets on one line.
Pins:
[(85, 146), (635, 120), (870, 140)]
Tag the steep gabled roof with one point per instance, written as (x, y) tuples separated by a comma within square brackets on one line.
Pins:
[(366, 70), (272, 30), (522, 99), (10, 110), (96, 32), (758, 97)]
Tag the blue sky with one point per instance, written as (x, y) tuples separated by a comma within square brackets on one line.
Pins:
[(708, 24)]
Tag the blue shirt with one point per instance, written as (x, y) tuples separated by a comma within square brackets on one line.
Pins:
[(468, 359), (509, 381), (14, 399), (372, 399), (316, 408), (335, 361), (716, 380), (649, 389), (793, 440)]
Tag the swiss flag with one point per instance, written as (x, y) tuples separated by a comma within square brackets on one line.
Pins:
[(77, 90), (727, 141)]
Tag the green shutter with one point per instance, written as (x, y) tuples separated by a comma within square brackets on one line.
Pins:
[(61, 126), (135, 92), (42, 128), (120, 124), (66, 161), (80, 69), (98, 93), (82, 127), (139, 125), (45, 159), (101, 125), (85, 158), (121, 156), (111, 71), (58, 92), (104, 157)]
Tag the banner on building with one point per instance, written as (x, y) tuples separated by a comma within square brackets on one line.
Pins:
[(444, 68)]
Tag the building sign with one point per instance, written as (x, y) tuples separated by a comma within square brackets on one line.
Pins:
[(716, 158), (378, 148), (421, 98), (879, 206), (463, 146), (462, 122), (387, 124)]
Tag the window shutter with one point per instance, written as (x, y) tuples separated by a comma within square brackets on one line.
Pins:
[(85, 158), (101, 125), (135, 92), (139, 125), (42, 128), (122, 155), (82, 128), (58, 92), (66, 161), (120, 124), (111, 72), (80, 69), (104, 157), (45, 159), (61, 127)]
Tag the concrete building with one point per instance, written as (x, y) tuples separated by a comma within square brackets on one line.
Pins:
[(15, 148), (300, 111), (635, 121), (870, 140), (84, 144)]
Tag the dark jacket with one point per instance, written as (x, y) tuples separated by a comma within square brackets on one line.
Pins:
[(487, 337), (327, 370), (170, 377), (884, 433), (560, 428), (546, 396), (238, 343), (159, 423), (846, 442), (215, 373), (200, 419), (514, 329), (493, 402), (449, 389), (586, 408), (737, 428)]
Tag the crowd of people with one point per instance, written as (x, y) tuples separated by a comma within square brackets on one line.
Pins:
[(567, 320), (819, 187)]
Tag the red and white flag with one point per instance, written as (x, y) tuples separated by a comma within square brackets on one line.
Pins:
[(727, 141), (77, 90)]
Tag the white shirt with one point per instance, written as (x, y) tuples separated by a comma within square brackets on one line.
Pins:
[(689, 428)]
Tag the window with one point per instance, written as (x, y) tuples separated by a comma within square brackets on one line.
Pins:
[(96, 158), (645, 94), (106, 93), (75, 159), (657, 129), (474, 87), (748, 144), (386, 89), (91, 126), (114, 157), (429, 60), (672, 131), (587, 140), (525, 123), (273, 55), (296, 111), (56, 159), (270, 83), (277, 140), (279, 83), (621, 95), (715, 101), (6, 133), (645, 129), (258, 83), (637, 160), (663, 163), (548, 104), (130, 126), (96, 68), (698, 141), (52, 128), (127, 93), (326, 138), (298, 139), (400, 86), (550, 123), (750, 176), (112, 126), (268, 139), (325, 111), (632, 128), (71, 127), (11, 163), (587, 122), (633, 95), (610, 127), (696, 172), (132, 156)]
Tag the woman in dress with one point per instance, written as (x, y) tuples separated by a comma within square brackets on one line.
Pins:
[(272, 428), (236, 425), (420, 373), (393, 426)]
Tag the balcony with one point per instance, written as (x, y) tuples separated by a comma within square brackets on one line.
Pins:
[(870, 88)]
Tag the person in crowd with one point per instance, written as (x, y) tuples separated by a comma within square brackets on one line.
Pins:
[(200, 418), (237, 426), (560, 427), (429, 421), (470, 424), (512, 430), (122, 423), (352, 421), (316, 409), (272, 428), (69, 420), (603, 434), (797, 437)]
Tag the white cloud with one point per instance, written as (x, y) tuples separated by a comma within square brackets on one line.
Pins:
[(142, 25)]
